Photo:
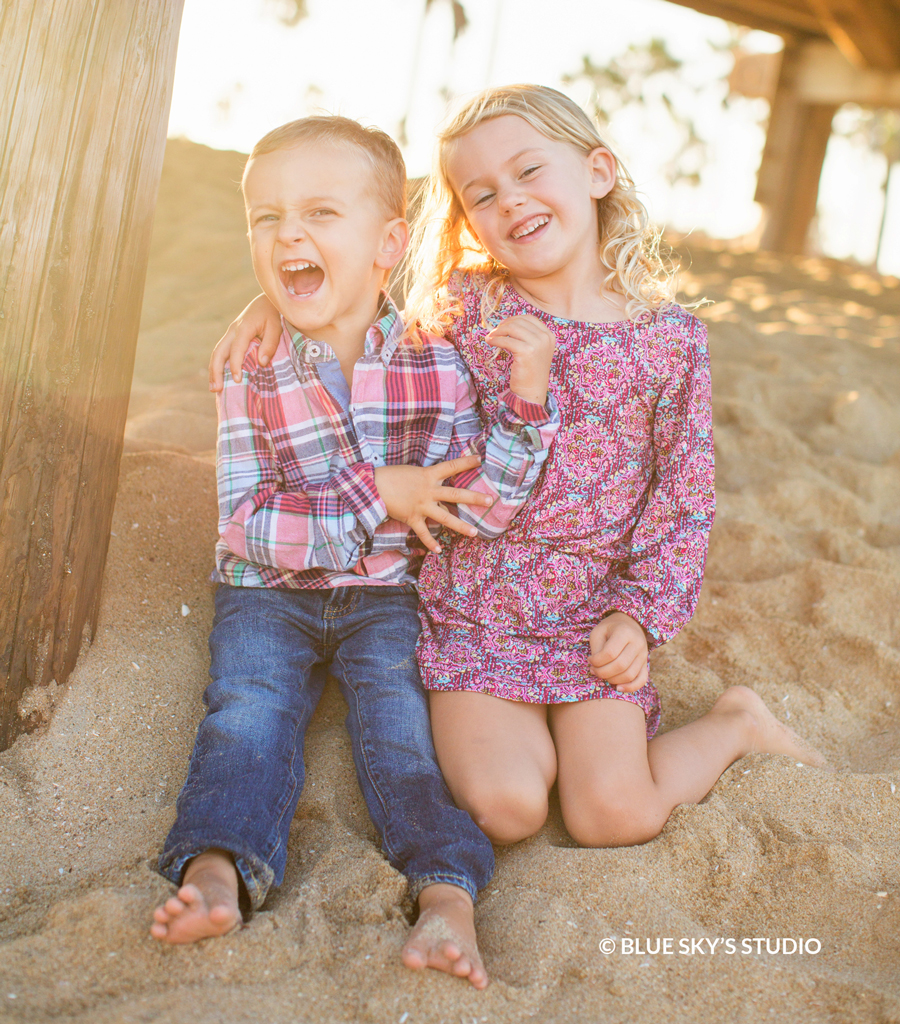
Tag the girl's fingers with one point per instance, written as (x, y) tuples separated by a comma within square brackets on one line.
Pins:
[(271, 338), (218, 359), (635, 684), (236, 358), (621, 669), (609, 654), (460, 496)]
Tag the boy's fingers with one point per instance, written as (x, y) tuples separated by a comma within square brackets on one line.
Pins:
[(445, 470), (420, 528), (445, 518), (460, 496)]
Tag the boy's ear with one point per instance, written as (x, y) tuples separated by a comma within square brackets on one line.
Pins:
[(393, 243), (602, 168)]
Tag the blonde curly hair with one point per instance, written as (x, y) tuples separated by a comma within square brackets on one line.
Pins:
[(444, 242)]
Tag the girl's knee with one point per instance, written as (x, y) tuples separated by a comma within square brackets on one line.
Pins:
[(598, 819), (507, 812)]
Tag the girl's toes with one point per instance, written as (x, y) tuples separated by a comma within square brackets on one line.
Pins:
[(160, 915), (158, 930)]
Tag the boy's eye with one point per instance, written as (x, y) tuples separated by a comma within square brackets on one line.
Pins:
[(324, 212), (265, 218)]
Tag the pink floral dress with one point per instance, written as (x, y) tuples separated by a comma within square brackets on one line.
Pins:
[(618, 520)]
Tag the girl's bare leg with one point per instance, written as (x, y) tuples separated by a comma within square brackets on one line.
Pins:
[(616, 789), (498, 759)]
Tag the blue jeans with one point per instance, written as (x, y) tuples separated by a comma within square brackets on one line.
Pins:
[(270, 652)]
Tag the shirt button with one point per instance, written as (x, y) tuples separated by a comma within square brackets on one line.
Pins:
[(314, 351)]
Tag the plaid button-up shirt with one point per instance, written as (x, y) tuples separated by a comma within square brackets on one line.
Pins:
[(298, 505)]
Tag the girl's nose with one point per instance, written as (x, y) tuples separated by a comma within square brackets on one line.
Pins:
[(510, 199)]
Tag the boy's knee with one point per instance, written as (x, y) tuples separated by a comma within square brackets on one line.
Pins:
[(505, 813), (597, 819)]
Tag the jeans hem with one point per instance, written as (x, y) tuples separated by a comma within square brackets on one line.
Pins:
[(420, 882), (257, 877)]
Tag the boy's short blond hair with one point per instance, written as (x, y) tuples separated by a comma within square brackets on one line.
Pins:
[(388, 168)]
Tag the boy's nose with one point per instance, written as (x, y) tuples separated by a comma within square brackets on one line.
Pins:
[(291, 230)]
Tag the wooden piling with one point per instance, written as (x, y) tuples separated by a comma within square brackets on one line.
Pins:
[(85, 87)]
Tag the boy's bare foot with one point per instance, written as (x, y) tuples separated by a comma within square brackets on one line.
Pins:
[(444, 936), (769, 736), (206, 903)]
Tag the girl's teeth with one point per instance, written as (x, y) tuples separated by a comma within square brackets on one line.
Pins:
[(530, 230)]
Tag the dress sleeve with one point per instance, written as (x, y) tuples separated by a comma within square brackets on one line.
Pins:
[(513, 447), (660, 583), (323, 526)]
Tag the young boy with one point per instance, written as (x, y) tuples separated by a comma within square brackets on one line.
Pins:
[(330, 460)]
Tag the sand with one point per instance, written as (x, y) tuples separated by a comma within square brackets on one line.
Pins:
[(800, 601)]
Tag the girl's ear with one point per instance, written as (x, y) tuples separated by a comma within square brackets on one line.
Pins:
[(602, 168), (394, 242)]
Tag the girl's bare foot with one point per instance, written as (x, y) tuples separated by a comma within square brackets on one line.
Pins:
[(769, 736), (206, 903), (444, 936)]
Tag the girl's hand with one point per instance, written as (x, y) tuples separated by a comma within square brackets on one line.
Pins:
[(258, 320), (412, 494), (531, 345), (619, 652)]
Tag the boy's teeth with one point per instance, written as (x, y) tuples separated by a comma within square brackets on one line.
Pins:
[(303, 265), (529, 228)]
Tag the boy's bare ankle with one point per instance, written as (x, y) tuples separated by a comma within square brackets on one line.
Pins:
[(444, 935), (206, 904)]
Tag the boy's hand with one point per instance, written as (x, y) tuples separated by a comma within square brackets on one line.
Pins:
[(413, 494), (619, 652), (531, 345), (258, 320)]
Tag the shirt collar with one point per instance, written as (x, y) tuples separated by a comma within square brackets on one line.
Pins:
[(384, 334)]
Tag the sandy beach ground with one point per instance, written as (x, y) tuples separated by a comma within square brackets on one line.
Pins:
[(800, 602)]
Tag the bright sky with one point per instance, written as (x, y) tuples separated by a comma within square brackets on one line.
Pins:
[(241, 71)]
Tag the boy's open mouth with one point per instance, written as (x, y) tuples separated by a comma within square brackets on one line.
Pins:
[(301, 277)]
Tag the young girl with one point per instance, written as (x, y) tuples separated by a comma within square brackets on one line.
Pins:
[(535, 645)]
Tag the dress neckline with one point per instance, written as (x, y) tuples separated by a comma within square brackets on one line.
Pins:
[(574, 324)]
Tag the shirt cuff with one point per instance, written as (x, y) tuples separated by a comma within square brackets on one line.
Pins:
[(539, 423), (356, 487)]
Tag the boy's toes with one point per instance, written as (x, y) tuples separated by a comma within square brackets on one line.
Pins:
[(173, 906), (478, 976), (223, 917), (161, 915)]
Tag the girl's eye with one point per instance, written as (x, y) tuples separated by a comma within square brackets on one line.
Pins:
[(530, 170), (486, 198)]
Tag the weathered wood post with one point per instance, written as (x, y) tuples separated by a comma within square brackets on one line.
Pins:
[(85, 87), (788, 182)]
